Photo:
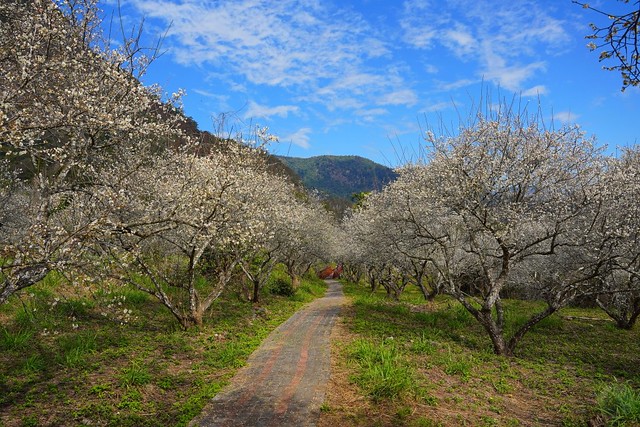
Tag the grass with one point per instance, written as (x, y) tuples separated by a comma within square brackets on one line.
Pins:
[(381, 371), (71, 355), (568, 370), (619, 404)]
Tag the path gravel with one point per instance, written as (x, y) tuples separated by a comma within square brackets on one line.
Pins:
[(284, 381)]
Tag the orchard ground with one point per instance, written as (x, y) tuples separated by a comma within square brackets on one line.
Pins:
[(430, 364), (69, 359)]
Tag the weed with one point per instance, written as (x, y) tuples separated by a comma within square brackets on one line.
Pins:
[(458, 364), (429, 400), (134, 375), (403, 413), (166, 382), (488, 421), (14, 340), (620, 404), (76, 307), (131, 400), (426, 422), (228, 354), (100, 389), (382, 373), (423, 345), (94, 411), (282, 287), (75, 348), (34, 363), (133, 296), (30, 421), (501, 386)]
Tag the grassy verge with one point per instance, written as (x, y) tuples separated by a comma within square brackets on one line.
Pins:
[(430, 364), (114, 357)]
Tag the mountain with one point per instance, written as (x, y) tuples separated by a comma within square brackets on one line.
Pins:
[(340, 176)]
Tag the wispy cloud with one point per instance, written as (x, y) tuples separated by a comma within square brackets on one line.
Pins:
[(565, 117), (370, 115), (284, 43), (255, 110), (399, 97), (535, 91), (438, 107), (507, 41), (300, 138), (315, 51)]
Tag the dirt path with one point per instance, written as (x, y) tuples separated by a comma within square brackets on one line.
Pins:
[(284, 381)]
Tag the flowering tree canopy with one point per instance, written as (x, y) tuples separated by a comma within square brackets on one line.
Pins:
[(618, 40), (489, 205), (70, 107)]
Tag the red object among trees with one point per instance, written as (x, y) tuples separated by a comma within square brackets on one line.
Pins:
[(330, 273)]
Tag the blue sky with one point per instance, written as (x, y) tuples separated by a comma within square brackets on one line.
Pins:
[(366, 77)]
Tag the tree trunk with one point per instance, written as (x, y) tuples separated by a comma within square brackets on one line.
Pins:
[(256, 291), (295, 281), (495, 332), (23, 278)]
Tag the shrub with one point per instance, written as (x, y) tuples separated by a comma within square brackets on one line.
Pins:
[(281, 287)]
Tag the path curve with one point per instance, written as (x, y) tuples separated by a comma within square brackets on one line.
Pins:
[(284, 381)]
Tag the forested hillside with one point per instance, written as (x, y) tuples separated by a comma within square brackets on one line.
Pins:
[(340, 176)]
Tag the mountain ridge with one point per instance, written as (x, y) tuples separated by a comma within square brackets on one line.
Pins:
[(340, 176)]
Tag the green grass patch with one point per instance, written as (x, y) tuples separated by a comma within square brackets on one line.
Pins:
[(14, 340), (75, 348), (619, 404), (381, 370), (442, 363), (68, 356), (134, 375)]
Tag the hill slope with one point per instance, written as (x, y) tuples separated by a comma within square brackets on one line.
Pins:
[(340, 176)]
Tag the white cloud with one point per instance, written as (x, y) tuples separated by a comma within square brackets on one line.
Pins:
[(255, 110), (300, 138), (371, 114), (282, 43), (431, 69), (507, 41), (511, 77), (460, 40), (565, 117), (438, 106), (535, 91), (317, 51), (446, 87), (419, 24), (399, 97)]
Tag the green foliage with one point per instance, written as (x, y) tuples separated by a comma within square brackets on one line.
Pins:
[(75, 307), (382, 372), (14, 340), (340, 176), (620, 404), (34, 363), (282, 287), (458, 364), (136, 374), (75, 348), (131, 400), (100, 389), (231, 354)]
